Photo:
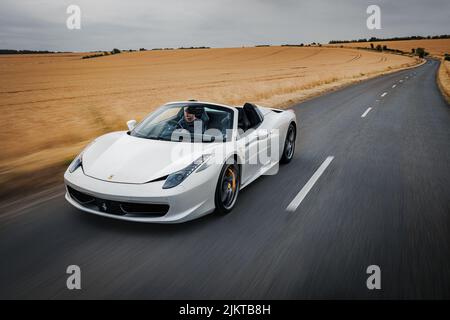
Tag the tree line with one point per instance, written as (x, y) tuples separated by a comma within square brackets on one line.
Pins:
[(11, 51), (374, 39)]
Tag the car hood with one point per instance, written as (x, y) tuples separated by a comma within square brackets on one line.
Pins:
[(119, 157)]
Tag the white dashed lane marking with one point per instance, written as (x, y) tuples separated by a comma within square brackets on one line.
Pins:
[(308, 186), (366, 112)]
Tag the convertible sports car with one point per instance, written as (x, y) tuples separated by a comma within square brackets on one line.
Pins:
[(183, 161)]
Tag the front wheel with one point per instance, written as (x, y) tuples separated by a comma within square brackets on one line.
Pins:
[(227, 188), (289, 144)]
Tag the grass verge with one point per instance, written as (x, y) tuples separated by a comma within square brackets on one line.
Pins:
[(443, 79)]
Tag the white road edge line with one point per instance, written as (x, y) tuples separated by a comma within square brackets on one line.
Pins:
[(366, 112), (384, 94), (308, 186)]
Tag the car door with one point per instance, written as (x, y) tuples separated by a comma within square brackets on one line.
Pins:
[(248, 144), (264, 146), (254, 142)]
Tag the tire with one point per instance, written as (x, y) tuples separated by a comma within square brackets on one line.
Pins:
[(227, 189), (289, 144)]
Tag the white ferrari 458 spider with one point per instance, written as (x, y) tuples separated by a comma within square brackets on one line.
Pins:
[(183, 161)]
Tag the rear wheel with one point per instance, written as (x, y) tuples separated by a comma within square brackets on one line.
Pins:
[(227, 188), (289, 144)]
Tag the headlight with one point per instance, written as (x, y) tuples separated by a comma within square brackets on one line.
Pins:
[(76, 163), (176, 178)]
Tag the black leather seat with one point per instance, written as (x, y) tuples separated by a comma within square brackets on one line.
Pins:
[(216, 120), (205, 118)]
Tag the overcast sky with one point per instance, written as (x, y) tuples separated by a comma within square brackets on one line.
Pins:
[(125, 24)]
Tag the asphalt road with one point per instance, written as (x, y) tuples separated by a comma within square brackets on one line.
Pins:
[(384, 200)]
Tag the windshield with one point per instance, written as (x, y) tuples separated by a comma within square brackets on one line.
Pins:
[(192, 122)]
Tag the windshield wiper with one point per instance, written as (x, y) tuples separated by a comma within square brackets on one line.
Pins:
[(157, 138), (137, 135)]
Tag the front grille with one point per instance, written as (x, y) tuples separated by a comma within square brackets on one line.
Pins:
[(118, 207)]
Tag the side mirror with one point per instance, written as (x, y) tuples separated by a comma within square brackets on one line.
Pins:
[(131, 124)]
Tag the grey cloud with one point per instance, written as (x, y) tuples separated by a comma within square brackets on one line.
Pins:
[(40, 24)]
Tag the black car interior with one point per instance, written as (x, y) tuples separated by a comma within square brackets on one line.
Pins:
[(218, 119), (248, 117), (213, 119)]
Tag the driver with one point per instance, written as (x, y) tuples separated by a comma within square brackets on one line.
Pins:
[(192, 119)]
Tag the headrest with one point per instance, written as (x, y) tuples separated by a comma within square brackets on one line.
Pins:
[(249, 105)]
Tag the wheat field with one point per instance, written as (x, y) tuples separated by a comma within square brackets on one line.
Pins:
[(53, 104), (436, 47)]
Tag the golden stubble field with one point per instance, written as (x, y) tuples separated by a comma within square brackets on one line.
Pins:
[(436, 47), (51, 105)]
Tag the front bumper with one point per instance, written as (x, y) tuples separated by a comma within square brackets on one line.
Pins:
[(189, 200)]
